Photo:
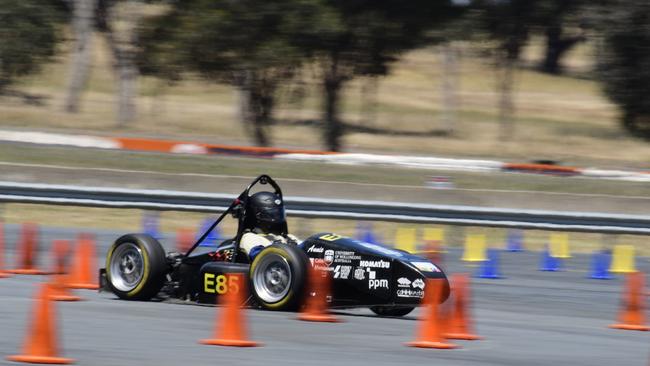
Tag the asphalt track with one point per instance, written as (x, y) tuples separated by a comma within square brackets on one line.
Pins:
[(527, 318), (192, 182)]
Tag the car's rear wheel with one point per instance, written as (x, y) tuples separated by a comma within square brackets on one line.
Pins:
[(278, 277), (393, 311), (136, 267)]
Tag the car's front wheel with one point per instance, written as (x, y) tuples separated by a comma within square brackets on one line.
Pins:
[(136, 267), (278, 277)]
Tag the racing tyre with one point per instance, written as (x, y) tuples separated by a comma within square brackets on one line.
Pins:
[(278, 277), (136, 267), (394, 311)]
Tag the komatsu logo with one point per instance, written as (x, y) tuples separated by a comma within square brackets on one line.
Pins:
[(375, 264)]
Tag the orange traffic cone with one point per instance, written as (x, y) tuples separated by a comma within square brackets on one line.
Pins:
[(632, 315), (184, 239), (84, 273), (28, 248), (3, 272), (460, 319), (41, 344), (60, 277), (433, 251), (430, 332), (316, 305), (230, 323)]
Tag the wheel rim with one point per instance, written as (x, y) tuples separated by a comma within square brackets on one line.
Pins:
[(272, 278), (127, 267)]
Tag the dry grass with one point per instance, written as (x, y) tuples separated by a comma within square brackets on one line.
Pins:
[(563, 118)]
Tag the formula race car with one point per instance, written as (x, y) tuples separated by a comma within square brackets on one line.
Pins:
[(390, 282)]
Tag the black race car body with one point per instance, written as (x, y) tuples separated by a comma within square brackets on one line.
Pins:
[(362, 274), (366, 274)]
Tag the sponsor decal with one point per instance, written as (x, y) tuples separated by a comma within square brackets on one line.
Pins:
[(315, 249), (377, 283), (418, 283), (374, 282), (342, 272), (407, 292), (329, 257), (319, 264), (426, 266), (403, 282), (375, 264), (360, 274), (345, 256), (381, 249)]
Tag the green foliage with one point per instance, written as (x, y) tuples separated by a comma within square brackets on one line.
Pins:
[(28, 37), (220, 38), (625, 64), (362, 38), (365, 36), (508, 22)]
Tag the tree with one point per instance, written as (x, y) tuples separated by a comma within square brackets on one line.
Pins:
[(624, 65), (28, 34), (245, 43), (352, 38)]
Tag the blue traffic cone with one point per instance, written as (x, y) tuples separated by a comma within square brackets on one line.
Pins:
[(212, 240), (549, 263), (515, 241), (490, 267), (365, 234), (150, 224), (600, 262)]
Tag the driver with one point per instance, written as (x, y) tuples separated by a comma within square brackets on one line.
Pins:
[(265, 224)]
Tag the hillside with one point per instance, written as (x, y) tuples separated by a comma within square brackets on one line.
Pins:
[(562, 118)]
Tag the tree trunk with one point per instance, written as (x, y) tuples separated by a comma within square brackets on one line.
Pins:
[(333, 129), (256, 101), (262, 106), (506, 104), (556, 48), (83, 27), (449, 87), (122, 48), (4, 81), (551, 63), (368, 110), (127, 91)]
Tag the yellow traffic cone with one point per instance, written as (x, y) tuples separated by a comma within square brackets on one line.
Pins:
[(560, 245), (623, 259), (435, 236), (474, 248), (405, 239)]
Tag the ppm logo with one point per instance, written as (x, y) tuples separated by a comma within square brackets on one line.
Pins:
[(375, 284)]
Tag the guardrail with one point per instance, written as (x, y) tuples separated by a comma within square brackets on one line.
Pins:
[(328, 208)]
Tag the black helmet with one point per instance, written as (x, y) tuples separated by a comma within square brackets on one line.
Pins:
[(265, 211)]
